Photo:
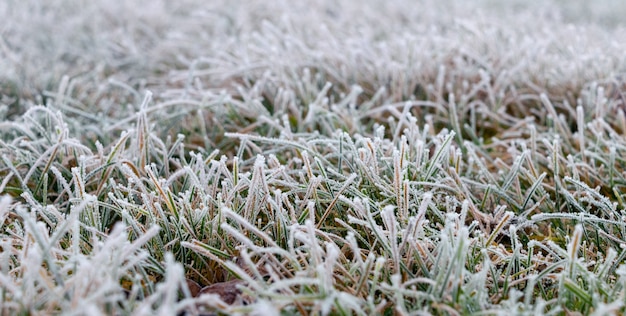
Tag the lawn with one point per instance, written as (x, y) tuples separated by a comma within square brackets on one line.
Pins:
[(312, 157)]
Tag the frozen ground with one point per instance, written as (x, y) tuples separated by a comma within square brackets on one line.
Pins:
[(333, 157)]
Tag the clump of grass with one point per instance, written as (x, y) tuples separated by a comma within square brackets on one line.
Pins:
[(230, 159)]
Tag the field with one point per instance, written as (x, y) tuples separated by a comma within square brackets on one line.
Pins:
[(312, 157)]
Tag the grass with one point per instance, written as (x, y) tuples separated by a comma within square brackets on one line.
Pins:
[(391, 158)]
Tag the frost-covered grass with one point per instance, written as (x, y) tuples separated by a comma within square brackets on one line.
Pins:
[(312, 157)]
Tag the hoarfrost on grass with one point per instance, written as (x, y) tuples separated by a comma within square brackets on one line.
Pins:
[(312, 157)]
